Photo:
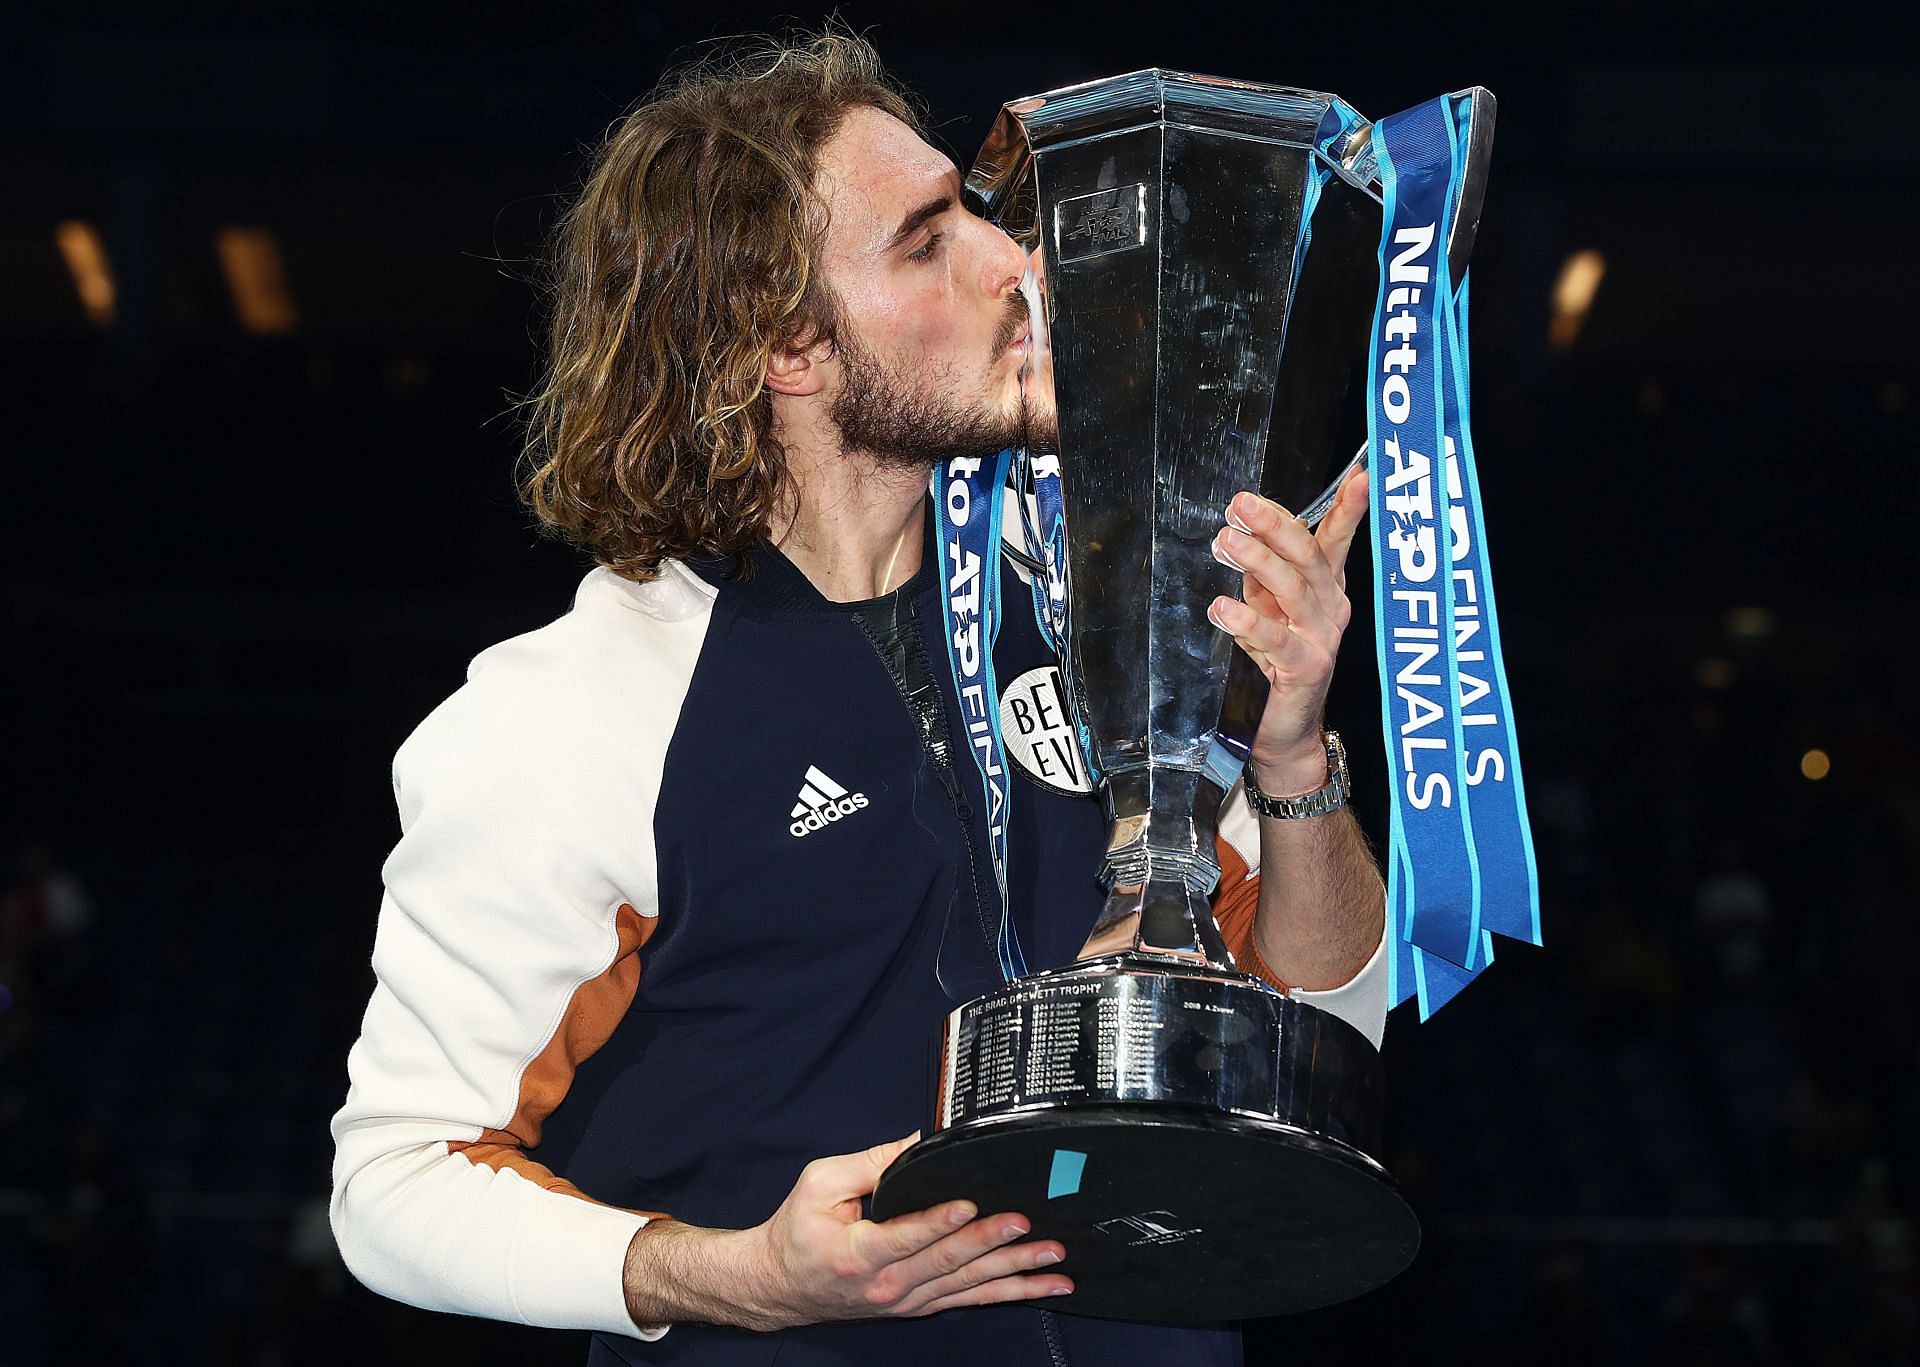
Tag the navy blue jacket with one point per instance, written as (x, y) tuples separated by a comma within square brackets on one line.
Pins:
[(789, 1001)]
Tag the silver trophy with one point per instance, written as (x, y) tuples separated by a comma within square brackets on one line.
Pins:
[(1199, 1141)]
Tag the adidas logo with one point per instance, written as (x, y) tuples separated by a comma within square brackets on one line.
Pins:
[(822, 801)]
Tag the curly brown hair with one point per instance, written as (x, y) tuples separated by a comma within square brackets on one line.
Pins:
[(688, 256)]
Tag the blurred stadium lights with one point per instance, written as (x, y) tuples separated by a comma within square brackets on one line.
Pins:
[(1750, 622), (92, 272), (1714, 674), (257, 280), (1815, 764), (1579, 280)]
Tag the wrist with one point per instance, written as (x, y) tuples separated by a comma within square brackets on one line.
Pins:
[(753, 1279), (678, 1273), (1291, 773)]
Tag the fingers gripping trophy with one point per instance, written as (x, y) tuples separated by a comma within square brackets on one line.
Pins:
[(1200, 1142)]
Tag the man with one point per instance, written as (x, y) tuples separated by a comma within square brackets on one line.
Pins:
[(687, 878)]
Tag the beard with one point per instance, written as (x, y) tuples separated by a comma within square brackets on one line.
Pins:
[(908, 420), (1039, 419)]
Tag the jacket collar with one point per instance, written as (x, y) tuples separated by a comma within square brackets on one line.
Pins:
[(777, 584)]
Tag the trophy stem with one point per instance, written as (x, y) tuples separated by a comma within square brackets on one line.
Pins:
[(1161, 865), (1176, 920)]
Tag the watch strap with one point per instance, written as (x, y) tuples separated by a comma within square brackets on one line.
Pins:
[(1330, 798)]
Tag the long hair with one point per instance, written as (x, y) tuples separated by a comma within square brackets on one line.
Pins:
[(689, 255)]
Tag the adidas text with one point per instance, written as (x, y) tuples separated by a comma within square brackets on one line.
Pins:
[(822, 802), (818, 818)]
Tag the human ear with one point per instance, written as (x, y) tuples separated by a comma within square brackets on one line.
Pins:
[(796, 370)]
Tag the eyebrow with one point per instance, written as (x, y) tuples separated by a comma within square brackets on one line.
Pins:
[(911, 224)]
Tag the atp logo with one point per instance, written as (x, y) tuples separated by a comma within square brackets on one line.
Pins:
[(1105, 221)]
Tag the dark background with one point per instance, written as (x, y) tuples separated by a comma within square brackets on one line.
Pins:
[(239, 568)]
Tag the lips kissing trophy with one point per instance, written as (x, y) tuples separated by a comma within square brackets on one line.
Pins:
[(1216, 253)]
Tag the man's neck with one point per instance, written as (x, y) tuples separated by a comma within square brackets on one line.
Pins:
[(857, 530)]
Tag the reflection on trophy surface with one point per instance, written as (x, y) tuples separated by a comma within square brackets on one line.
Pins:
[(1203, 272), (1036, 378)]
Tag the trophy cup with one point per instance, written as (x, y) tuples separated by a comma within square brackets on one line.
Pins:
[(1199, 1141)]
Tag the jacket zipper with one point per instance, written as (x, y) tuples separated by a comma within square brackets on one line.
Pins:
[(939, 751), (1056, 1348)]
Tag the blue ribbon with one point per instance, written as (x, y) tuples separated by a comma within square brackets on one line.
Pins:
[(1496, 794), (967, 517), (1046, 539), (1461, 864), (1433, 877)]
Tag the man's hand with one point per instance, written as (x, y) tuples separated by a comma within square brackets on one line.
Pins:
[(1321, 899), (817, 1259), (1295, 612)]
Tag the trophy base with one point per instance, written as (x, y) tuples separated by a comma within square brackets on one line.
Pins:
[(1172, 1214), (1197, 1140)]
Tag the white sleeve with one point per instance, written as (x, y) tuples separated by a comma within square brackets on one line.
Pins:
[(507, 950), (1361, 1001)]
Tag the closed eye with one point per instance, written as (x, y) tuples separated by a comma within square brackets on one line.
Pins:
[(927, 252)]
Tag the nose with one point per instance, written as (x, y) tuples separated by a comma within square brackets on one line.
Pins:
[(1005, 263)]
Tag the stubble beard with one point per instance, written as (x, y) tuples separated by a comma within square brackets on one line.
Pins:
[(907, 420), (1041, 424)]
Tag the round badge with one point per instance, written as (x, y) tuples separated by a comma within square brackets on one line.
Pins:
[(1039, 732)]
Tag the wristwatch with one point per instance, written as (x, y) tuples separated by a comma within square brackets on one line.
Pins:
[(1328, 799)]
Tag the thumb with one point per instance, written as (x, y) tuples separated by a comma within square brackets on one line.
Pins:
[(857, 1174), (1343, 520)]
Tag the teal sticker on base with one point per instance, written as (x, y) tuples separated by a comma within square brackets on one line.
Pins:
[(1064, 1180)]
